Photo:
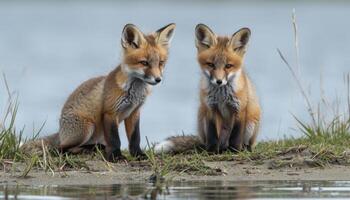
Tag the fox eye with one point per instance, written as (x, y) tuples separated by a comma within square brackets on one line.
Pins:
[(210, 64), (144, 63), (227, 66), (161, 62)]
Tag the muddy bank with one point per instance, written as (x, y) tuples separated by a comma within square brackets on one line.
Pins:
[(135, 172)]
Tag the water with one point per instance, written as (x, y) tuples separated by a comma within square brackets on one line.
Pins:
[(47, 48), (187, 190)]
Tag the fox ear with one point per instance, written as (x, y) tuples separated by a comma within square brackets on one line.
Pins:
[(132, 37), (205, 37), (165, 34), (239, 40)]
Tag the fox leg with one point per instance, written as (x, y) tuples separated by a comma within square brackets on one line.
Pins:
[(207, 129), (236, 137), (202, 124), (132, 127), (212, 136), (250, 134), (225, 127), (112, 139), (74, 132)]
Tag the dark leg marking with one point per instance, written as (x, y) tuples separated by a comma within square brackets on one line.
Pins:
[(224, 139), (114, 140), (235, 142), (134, 143), (212, 137)]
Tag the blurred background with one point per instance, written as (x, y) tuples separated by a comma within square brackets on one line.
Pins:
[(47, 48)]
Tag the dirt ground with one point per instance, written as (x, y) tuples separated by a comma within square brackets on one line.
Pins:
[(136, 172)]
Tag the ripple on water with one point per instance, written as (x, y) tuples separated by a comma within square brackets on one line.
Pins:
[(186, 190)]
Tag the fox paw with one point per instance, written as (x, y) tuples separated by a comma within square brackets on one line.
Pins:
[(140, 155), (115, 157)]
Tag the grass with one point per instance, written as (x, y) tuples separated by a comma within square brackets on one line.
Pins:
[(328, 149), (12, 138), (324, 142), (9, 139)]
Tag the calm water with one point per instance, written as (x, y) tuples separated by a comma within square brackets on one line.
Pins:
[(47, 48), (186, 190)]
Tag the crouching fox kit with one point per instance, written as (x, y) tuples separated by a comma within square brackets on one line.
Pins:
[(93, 112), (229, 111)]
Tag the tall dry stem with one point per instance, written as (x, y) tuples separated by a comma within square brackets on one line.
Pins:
[(296, 75)]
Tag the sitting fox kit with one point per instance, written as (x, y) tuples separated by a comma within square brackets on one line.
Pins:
[(93, 112), (229, 111)]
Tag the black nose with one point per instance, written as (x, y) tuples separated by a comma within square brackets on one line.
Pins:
[(158, 80), (219, 82)]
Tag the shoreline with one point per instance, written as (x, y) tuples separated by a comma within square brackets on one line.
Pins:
[(131, 173)]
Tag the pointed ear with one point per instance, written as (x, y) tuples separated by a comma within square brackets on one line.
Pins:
[(239, 40), (205, 37), (132, 37), (165, 34)]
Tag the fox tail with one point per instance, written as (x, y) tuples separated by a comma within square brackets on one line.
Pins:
[(179, 144), (36, 146)]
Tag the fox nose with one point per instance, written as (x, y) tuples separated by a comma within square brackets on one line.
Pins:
[(158, 79), (219, 82)]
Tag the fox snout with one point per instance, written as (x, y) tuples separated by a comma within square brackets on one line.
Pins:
[(153, 75), (153, 80), (218, 82), (218, 77), (150, 74)]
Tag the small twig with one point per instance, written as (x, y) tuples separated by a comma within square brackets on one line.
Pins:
[(318, 153), (44, 152), (108, 165), (62, 167), (8, 162)]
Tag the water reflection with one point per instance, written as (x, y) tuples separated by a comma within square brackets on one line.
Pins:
[(185, 190)]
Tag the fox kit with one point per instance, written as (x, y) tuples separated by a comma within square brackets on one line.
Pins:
[(229, 111), (93, 112)]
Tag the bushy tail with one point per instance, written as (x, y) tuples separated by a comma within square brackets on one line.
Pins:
[(36, 146), (179, 144)]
